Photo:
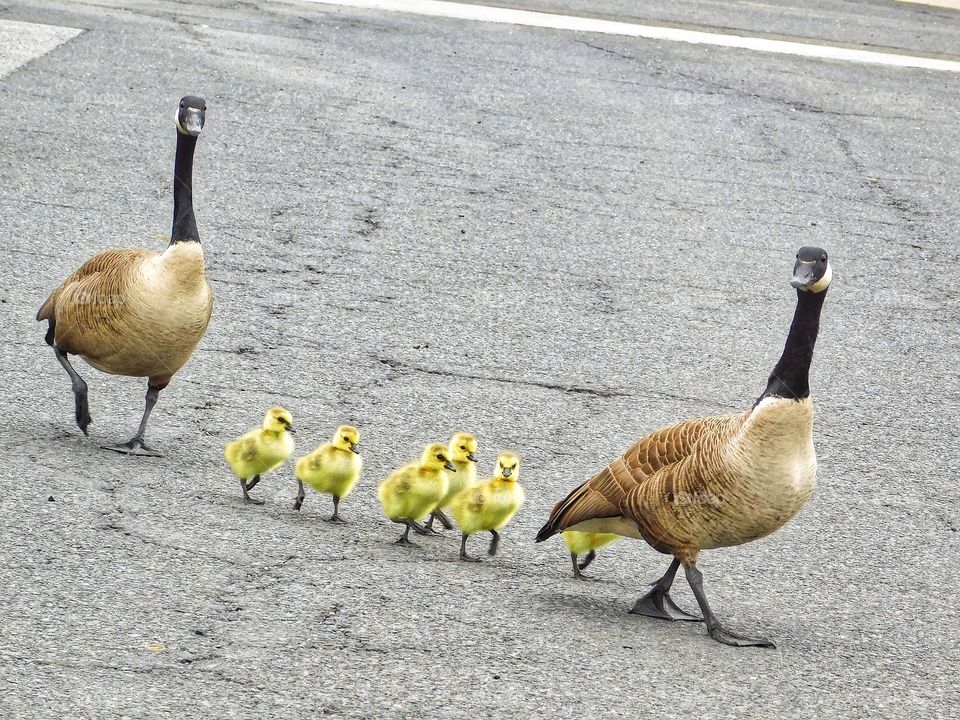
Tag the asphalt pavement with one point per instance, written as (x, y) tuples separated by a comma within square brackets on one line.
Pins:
[(556, 240)]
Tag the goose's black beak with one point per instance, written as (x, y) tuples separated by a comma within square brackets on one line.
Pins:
[(803, 274), (450, 466), (191, 121), (471, 457), (290, 429), (507, 472), (355, 448)]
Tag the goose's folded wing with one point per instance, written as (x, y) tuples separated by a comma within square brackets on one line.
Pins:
[(101, 280), (602, 495)]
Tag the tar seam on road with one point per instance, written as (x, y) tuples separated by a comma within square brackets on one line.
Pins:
[(509, 16)]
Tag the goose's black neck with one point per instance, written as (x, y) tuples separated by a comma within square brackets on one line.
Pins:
[(791, 377), (184, 222)]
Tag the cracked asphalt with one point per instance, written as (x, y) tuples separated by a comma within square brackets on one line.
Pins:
[(557, 241)]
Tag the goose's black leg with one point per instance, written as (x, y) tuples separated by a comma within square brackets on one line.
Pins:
[(463, 550), (658, 604), (135, 445), (405, 538), (429, 523), (298, 503), (494, 543), (82, 410), (335, 518), (716, 630), (247, 486), (591, 556)]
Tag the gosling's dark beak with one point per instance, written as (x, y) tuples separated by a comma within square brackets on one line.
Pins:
[(507, 472), (802, 274), (192, 121), (450, 466), (290, 429), (471, 457), (355, 448)]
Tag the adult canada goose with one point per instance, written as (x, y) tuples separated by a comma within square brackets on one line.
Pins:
[(717, 481), (136, 312)]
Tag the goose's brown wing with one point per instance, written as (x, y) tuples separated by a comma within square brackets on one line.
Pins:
[(90, 303), (601, 496)]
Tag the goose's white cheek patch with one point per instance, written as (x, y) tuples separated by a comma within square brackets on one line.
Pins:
[(824, 282)]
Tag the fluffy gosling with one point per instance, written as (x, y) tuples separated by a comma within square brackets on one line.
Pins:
[(261, 450), (489, 505), (463, 448), (333, 468), (414, 490), (585, 542)]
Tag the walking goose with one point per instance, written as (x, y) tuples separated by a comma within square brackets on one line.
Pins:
[(136, 312), (717, 481)]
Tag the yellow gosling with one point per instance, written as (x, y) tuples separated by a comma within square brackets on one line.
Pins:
[(579, 543), (414, 490), (261, 450), (333, 468), (463, 448), (489, 505)]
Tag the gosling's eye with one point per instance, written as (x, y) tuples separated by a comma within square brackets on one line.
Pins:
[(346, 439), (441, 458), (463, 447)]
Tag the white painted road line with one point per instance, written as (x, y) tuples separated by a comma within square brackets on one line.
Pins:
[(482, 13), (21, 42)]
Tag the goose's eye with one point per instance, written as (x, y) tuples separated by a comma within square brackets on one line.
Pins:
[(463, 447), (823, 258), (346, 439), (441, 458)]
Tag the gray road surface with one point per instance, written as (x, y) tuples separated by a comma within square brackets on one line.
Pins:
[(558, 241)]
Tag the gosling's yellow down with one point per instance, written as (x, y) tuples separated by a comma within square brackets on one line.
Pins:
[(261, 450), (579, 543), (414, 490), (333, 468), (489, 505), (463, 448)]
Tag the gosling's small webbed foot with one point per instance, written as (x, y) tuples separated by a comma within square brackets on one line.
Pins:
[(494, 543), (659, 604), (298, 501), (441, 516), (245, 486), (728, 637), (134, 446), (576, 569), (463, 550), (335, 518), (405, 538), (420, 529)]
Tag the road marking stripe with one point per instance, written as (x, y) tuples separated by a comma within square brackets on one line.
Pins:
[(21, 42), (509, 16)]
